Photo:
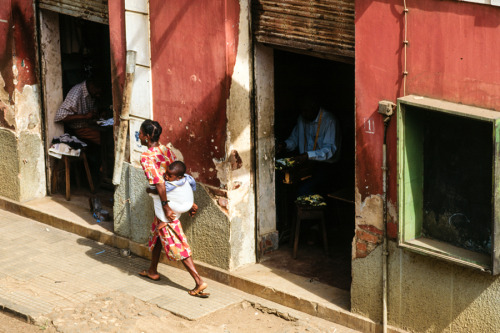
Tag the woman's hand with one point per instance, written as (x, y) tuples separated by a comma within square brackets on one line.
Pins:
[(162, 192), (169, 213)]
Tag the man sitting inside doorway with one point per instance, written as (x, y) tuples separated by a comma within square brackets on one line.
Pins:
[(315, 139), (79, 112)]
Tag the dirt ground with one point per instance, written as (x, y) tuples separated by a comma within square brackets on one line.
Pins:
[(116, 312)]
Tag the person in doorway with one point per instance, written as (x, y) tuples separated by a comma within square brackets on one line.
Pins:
[(78, 111), (166, 229), (314, 139)]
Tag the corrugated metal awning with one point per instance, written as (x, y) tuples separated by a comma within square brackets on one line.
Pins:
[(323, 28), (92, 10)]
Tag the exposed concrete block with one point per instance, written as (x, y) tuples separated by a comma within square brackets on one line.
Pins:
[(32, 167), (9, 166), (133, 207), (208, 231), (141, 206), (121, 204), (366, 286)]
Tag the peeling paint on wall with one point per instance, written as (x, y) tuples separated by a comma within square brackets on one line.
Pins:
[(176, 151), (369, 225), (28, 109), (369, 211)]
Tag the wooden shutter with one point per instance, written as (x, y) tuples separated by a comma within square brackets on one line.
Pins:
[(323, 28), (92, 10)]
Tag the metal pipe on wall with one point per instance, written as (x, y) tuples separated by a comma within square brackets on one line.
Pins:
[(124, 117), (387, 109), (385, 253)]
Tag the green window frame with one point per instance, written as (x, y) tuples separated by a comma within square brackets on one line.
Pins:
[(414, 117)]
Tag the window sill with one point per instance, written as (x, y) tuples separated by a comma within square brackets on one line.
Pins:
[(450, 253)]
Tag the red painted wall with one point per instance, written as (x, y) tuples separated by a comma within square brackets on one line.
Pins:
[(17, 48), (17, 44), (193, 51), (116, 10), (453, 55)]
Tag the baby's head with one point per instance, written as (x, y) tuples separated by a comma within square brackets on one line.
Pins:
[(175, 171)]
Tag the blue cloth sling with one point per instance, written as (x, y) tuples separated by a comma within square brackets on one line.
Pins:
[(177, 183)]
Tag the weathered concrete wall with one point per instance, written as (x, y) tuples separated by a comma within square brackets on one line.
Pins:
[(446, 61), (51, 72), (207, 231), (241, 182), (264, 149), (9, 166), (133, 207), (32, 166), (426, 295), (20, 104)]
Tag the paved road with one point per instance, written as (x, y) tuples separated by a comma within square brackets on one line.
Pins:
[(50, 274)]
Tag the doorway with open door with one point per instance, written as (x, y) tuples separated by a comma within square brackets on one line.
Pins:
[(309, 250), (78, 112)]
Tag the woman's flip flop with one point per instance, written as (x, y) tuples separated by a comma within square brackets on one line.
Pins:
[(198, 292)]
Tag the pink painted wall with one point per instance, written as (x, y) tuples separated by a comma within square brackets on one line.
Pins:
[(453, 55), (193, 51)]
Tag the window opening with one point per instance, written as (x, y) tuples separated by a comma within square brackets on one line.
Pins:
[(447, 174)]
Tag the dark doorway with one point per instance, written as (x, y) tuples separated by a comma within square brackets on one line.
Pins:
[(84, 54), (333, 83)]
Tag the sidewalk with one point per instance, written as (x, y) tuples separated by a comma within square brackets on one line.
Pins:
[(286, 289), (43, 269)]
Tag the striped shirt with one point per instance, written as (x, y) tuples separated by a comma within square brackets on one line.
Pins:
[(78, 101)]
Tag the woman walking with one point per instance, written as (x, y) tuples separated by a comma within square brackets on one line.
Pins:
[(166, 230)]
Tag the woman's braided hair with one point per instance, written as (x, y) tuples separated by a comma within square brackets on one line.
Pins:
[(152, 128)]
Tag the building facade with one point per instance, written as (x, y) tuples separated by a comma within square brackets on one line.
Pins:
[(205, 71)]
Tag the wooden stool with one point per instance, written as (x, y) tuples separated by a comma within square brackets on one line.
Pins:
[(309, 213), (67, 167)]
